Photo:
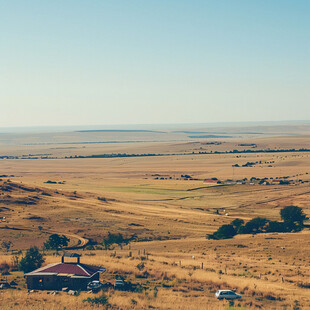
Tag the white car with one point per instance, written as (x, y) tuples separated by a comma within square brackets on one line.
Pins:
[(94, 286), (119, 284), (227, 294)]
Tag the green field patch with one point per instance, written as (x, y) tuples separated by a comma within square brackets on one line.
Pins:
[(144, 190)]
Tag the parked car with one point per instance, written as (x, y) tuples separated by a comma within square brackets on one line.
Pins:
[(227, 294), (4, 285), (94, 286), (119, 284)]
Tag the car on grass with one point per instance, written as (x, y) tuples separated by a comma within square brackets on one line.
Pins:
[(119, 284), (94, 286), (4, 285), (227, 294)]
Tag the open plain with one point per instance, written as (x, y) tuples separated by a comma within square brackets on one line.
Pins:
[(149, 185)]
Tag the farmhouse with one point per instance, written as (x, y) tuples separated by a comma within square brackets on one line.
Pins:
[(73, 275)]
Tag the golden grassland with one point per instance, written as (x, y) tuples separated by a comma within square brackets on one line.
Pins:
[(260, 267), (169, 216)]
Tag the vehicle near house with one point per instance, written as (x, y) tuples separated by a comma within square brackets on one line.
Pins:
[(227, 294), (94, 286), (4, 285), (119, 284)]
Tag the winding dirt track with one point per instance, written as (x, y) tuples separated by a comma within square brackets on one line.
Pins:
[(82, 242)]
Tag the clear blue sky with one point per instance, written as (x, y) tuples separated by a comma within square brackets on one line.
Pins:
[(73, 62)]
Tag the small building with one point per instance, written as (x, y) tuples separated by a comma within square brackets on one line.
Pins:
[(73, 275), (211, 181)]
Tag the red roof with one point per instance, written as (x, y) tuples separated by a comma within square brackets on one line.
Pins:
[(73, 269), (210, 181)]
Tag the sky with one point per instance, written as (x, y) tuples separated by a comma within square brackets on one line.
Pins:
[(98, 62)]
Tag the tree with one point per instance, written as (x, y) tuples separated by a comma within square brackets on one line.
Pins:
[(284, 182), (224, 232), (275, 226), (32, 260), (237, 223), (256, 225), (56, 242), (115, 239), (292, 215)]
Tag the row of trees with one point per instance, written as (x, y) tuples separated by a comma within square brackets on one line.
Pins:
[(292, 221)]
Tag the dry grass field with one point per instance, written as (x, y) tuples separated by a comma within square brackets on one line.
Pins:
[(170, 216)]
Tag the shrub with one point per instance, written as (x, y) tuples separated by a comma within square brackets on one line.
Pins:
[(140, 266), (6, 245), (5, 268), (102, 300)]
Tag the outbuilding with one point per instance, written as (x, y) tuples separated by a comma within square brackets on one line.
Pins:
[(211, 181)]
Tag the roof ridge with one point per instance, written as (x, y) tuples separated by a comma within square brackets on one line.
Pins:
[(44, 267), (76, 269), (83, 269), (47, 266)]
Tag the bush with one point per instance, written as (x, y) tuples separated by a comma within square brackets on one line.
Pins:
[(102, 300), (140, 266), (6, 245), (5, 268)]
